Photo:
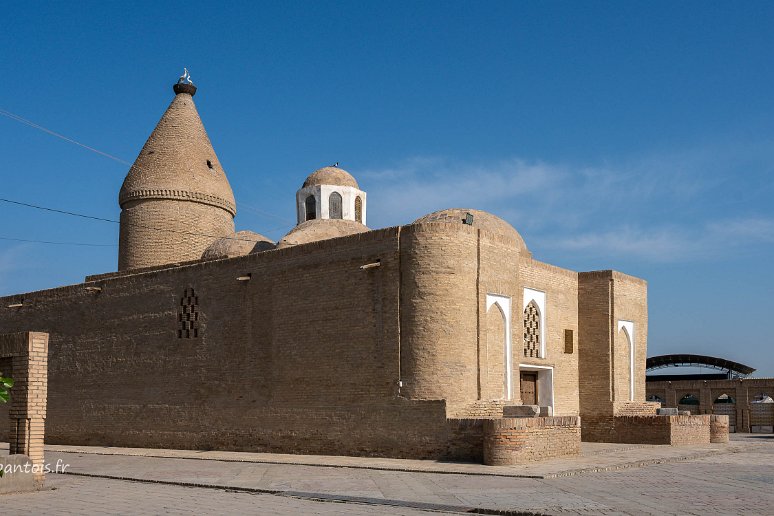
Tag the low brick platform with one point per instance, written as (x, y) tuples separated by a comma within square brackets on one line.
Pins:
[(519, 440), (674, 430)]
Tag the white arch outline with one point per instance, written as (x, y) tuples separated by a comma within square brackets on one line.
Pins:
[(504, 304), (628, 329)]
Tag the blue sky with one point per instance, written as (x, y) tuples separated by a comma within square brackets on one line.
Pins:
[(633, 136)]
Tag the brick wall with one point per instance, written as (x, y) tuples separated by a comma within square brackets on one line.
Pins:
[(28, 353), (561, 288), (604, 299), (675, 430), (304, 357), (438, 312), (630, 296), (634, 408), (743, 391), (498, 275), (159, 231), (483, 409), (519, 440)]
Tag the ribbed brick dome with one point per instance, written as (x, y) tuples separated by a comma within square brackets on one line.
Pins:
[(239, 244), (320, 229), (178, 162), (330, 176), (481, 219)]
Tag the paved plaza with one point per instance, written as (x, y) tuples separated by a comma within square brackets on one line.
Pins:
[(608, 479)]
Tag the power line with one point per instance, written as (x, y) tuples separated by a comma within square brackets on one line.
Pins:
[(13, 116), (102, 219), (32, 124), (56, 243), (54, 210)]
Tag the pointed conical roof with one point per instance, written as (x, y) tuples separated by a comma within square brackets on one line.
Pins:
[(178, 161)]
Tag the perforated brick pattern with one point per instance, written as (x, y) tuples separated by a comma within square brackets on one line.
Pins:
[(531, 331), (188, 315)]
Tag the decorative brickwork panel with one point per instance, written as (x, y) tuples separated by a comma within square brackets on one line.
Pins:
[(188, 315), (532, 331)]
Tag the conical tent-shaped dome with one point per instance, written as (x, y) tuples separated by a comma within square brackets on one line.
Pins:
[(176, 199), (178, 162)]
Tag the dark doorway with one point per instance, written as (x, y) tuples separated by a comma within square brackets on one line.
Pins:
[(529, 388)]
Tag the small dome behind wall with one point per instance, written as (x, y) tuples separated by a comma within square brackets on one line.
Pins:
[(481, 219), (240, 244), (320, 229), (331, 193)]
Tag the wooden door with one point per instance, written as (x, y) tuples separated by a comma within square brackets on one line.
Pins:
[(529, 388)]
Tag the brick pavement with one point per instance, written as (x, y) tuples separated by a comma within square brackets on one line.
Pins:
[(67, 494), (738, 481)]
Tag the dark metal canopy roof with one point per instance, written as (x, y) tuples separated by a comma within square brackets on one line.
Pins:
[(733, 368)]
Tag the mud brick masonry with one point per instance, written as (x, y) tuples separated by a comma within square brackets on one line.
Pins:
[(417, 341)]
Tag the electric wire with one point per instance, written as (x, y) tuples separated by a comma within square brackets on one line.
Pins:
[(18, 118), (55, 243), (32, 124), (113, 221)]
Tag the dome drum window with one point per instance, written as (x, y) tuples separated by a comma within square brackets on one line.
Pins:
[(311, 208), (334, 206), (358, 209)]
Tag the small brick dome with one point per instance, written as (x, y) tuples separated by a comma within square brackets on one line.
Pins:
[(320, 229), (240, 244), (330, 176), (481, 219)]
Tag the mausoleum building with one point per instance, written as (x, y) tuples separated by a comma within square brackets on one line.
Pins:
[(427, 340)]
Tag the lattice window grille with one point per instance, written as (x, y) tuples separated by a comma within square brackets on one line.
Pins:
[(532, 331), (188, 315)]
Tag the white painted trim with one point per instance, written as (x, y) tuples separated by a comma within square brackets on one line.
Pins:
[(545, 378), (322, 194), (504, 303), (628, 328), (539, 297)]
